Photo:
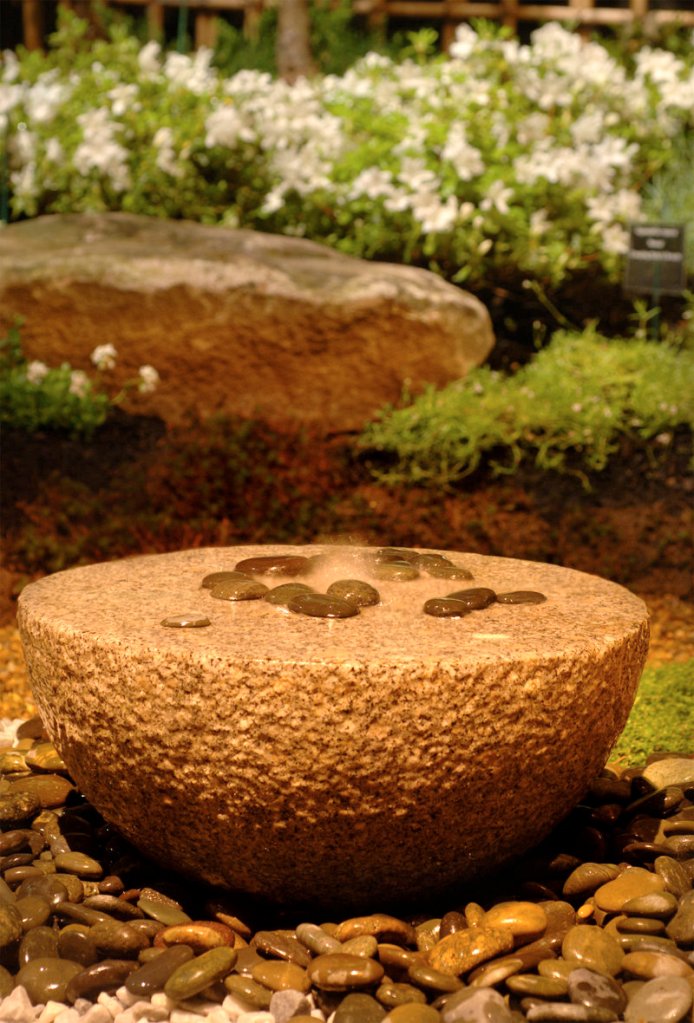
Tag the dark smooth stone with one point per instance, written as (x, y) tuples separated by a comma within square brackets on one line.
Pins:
[(279, 975), (475, 598), (39, 943), (107, 975), (660, 803), (246, 960), (681, 927), (384, 554), (281, 595), (609, 790), (33, 910), (674, 875), (215, 578), (283, 564), (120, 908), (320, 605), (441, 568), (281, 946), (74, 942), (6, 982), (354, 591), (446, 607), (79, 864), (643, 852), (118, 940), (249, 990), (153, 975), (16, 860), (596, 991), (427, 977), (47, 978), (394, 571), (521, 597), (81, 914), (680, 846), (392, 994), (239, 589), (15, 875), (189, 620), (14, 841)]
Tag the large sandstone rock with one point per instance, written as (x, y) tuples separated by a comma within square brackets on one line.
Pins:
[(374, 758), (236, 321)]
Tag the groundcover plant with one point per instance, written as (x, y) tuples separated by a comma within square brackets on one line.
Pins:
[(501, 158)]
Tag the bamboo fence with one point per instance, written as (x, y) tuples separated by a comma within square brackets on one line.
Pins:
[(446, 14)]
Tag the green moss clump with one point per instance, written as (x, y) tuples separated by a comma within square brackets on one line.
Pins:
[(662, 718)]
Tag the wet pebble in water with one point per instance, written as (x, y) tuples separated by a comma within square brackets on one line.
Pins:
[(438, 567), (218, 578), (394, 571), (475, 598), (354, 591), (283, 564), (239, 589), (446, 607), (186, 620), (282, 594), (521, 597), (320, 605)]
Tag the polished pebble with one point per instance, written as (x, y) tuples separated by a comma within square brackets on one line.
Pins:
[(239, 589), (521, 597), (681, 927), (152, 976), (388, 929), (316, 939), (464, 950), (187, 620), (281, 595), (634, 882), (199, 973), (10, 925), (338, 971), (80, 864), (74, 942), (588, 877), (661, 1000), (38, 943), (47, 978), (355, 591), (108, 975), (281, 946), (525, 920), (596, 991), (164, 912), (592, 948), (475, 598), (321, 605), (216, 578), (481, 1005), (284, 564), (359, 1008), (412, 1013), (446, 607), (646, 965), (281, 976)]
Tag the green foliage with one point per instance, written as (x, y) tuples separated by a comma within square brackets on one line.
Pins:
[(34, 396), (662, 718), (567, 409)]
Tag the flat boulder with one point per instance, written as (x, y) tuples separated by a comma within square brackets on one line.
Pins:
[(235, 321)]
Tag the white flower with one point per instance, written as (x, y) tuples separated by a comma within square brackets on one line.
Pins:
[(36, 371), (45, 97), (104, 357), (466, 159), (99, 151), (224, 127), (193, 73), (464, 42), (123, 98), (166, 155), (54, 150), (10, 97), (149, 378), (148, 57), (372, 183), (497, 197), (79, 383)]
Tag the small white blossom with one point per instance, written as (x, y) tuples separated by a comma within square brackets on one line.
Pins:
[(79, 383), (148, 57), (104, 357), (149, 378), (497, 197), (36, 371)]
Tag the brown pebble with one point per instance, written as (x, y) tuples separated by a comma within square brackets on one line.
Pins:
[(462, 951), (646, 965), (283, 564), (239, 589), (279, 975), (387, 929), (201, 936), (320, 605), (281, 946), (337, 971), (446, 607), (521, 597), (475, 598), (187, 620), (216, 578)]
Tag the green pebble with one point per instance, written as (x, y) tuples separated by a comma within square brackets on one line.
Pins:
[(193, 977), (163, 912), (80, 864), (38, 943), (46, 979), (33, 910)]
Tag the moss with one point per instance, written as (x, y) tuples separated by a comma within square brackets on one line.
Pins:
[(662, 717)]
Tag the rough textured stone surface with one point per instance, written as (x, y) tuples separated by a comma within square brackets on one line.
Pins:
[(236, 321), (390, 754)]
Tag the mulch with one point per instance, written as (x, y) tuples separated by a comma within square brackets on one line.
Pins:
[(672, 639)]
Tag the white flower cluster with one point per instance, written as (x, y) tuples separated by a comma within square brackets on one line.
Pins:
[(501, 140)]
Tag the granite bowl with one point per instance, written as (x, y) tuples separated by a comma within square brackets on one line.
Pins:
[(386, 756)]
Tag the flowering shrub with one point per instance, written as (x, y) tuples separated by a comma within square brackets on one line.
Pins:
[(501, 159), (33, 395), (569, 406)]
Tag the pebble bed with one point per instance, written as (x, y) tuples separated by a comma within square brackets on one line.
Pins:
[(596, 924)]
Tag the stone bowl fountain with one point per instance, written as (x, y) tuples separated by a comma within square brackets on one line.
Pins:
[(388, 755)]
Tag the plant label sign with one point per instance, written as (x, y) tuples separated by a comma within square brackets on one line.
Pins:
[(655, 263)]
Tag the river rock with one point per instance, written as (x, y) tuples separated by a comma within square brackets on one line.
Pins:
[(304, 332), (426, 720)]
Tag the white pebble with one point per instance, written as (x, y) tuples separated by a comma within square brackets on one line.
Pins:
[(50, 1011), (183, 1016), (96, 1014), (142, 1010), (125, 997), (162, 1001), (68, 1015), (110, 1003), (17, 1007), (218, 1015), (234, 1007), (258, 1016)]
